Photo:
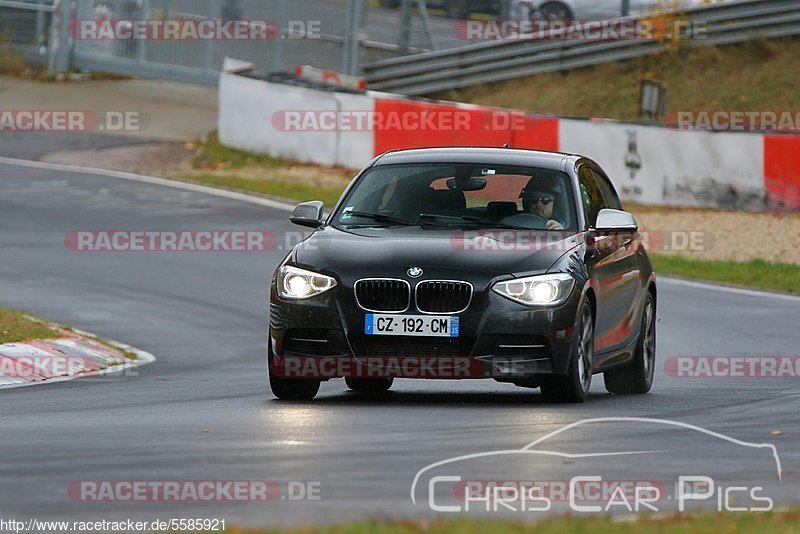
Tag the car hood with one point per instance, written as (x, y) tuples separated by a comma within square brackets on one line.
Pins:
[(391, 251)]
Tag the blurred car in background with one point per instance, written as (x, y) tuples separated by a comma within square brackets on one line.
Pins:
[(604, 9), (553, 9), (455, 9)]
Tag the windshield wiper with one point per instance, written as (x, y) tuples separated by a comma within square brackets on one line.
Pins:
[(473, 220), (379, 217)]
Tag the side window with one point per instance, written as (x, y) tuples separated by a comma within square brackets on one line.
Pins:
[(591, 195), (612, 200)]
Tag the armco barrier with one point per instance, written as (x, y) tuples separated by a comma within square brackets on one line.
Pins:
[(505, 59), (648, 164)]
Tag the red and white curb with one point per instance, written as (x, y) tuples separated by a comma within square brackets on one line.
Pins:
[(73, 354)]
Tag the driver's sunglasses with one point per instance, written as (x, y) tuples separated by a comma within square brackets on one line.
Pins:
[(544, 200)]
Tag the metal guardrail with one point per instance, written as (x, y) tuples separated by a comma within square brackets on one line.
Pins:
[(504, 60), (33, 5)]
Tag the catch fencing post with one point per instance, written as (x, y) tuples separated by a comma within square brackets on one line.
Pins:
[(352, 45), (141, 51), (278, 63), (210, 46), (62, 53), (405, 26)]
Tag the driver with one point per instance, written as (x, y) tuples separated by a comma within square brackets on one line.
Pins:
[(539, 197)]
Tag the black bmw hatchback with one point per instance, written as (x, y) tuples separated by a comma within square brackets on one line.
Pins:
[(458, 263)]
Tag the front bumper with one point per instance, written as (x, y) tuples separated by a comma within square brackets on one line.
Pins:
[(323, 337)]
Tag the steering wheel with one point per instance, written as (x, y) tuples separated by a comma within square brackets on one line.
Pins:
[(534, 221)]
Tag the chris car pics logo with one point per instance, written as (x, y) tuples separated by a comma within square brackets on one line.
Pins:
[(445, 487)]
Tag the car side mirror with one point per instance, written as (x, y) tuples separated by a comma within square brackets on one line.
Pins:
[(609, 220), (308, 214)]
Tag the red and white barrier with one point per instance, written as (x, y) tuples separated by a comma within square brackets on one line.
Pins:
[(655, 165), (248, 109), (782, 170), (648, 164), (330, 77)]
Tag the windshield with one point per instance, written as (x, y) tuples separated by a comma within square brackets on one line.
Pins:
[(486, 196)]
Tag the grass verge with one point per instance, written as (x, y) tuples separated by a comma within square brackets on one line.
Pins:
[(221, 166), (756, 523), (757, 273), (759, 74), (296, 192), (18, 326)]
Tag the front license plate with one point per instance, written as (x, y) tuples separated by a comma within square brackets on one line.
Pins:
[(410, 325)]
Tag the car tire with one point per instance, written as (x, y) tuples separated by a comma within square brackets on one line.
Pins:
[(296, 389), (555, 11), (637, 377), (574, 387), (369, 385)]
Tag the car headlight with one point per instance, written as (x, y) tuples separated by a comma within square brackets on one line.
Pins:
[(296, 283), (542, 290)]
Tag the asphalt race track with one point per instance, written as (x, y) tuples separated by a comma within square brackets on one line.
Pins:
[(203, 410)]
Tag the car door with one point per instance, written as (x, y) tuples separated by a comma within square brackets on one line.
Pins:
[(598, 253), (626, 288), (613, 270)]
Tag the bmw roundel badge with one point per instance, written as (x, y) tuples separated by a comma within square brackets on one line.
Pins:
[(414, 272)]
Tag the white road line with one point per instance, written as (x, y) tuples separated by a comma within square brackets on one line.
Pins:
[(727, 289), (234, 195)]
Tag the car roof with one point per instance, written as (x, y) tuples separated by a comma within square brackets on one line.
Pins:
[(477, 155)]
